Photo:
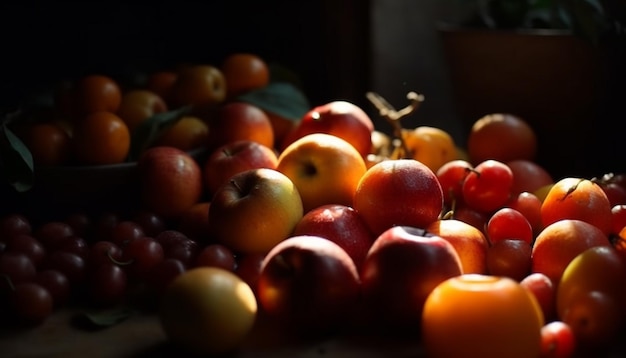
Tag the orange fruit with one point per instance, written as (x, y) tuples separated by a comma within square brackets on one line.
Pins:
[(244, 72), (188, 133), (49, 144), (481, 316), (207, 311), (161, 82), (139, 105), (577, 198), (503, 137), (101, 138), (560, 242), (96, 93)]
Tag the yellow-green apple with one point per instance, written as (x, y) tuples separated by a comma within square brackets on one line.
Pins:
[(138, 105), (340, 224), (308, 283), (599, 268), (255, 210), (234, 121), (340, 118), (430, 145), (398, 192), (469, 242), (400, 270), (201, 86), (170, 181), (236, 157), (325, 168)]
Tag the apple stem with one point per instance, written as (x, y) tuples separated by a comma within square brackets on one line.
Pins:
[(236, 185), (393, 117)]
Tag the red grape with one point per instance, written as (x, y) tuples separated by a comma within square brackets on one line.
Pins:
[(31, 303), (140, 255), (107, 285), (216, 255), (14, 224), (488, 187), (508, 223)]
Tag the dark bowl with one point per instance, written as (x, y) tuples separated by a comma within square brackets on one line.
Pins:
[(60, 190)]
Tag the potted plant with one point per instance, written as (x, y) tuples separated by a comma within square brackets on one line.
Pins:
[(556, 63)]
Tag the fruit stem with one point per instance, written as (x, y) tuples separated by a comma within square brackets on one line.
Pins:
[(120, 263), (393, 117), (9, 281)]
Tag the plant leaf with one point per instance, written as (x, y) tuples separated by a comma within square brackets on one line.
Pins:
[(151, 128), (281, 98), (16, 160), (107, 318)]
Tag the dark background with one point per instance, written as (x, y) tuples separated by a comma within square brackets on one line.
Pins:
[(42, 42)]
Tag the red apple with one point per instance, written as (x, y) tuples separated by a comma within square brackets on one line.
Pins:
[(235, 157), (402, 267), (170, 181), (308, 283), (340, 224), (340, 118), (234, 121), (398, 192), (255, 210)]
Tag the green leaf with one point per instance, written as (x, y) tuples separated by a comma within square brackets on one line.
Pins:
[(106, 318), (151, 128), (16, 159), (281, 98)]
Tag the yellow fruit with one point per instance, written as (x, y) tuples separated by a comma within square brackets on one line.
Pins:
[(208, 310), (432, 146)]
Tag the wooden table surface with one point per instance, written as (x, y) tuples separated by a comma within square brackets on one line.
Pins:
[(140, 335)]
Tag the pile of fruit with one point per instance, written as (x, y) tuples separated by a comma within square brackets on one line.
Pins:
[(320, 222)]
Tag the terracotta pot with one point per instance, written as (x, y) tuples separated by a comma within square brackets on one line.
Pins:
[(556, 81)]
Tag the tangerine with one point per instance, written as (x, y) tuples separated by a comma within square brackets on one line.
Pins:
[(188, 133), (96, 93), (560, 242), (577, 198), (244, 72), (101, 138), (503, 137), (49, 144)]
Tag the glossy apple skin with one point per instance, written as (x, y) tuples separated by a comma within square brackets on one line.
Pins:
[(308, 283), (255, 211), (325, 168), (233, 158), (398, 192), (340, 224), (234, 121), (341, 118), (170, 181), (402, 267), (469, 242)]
